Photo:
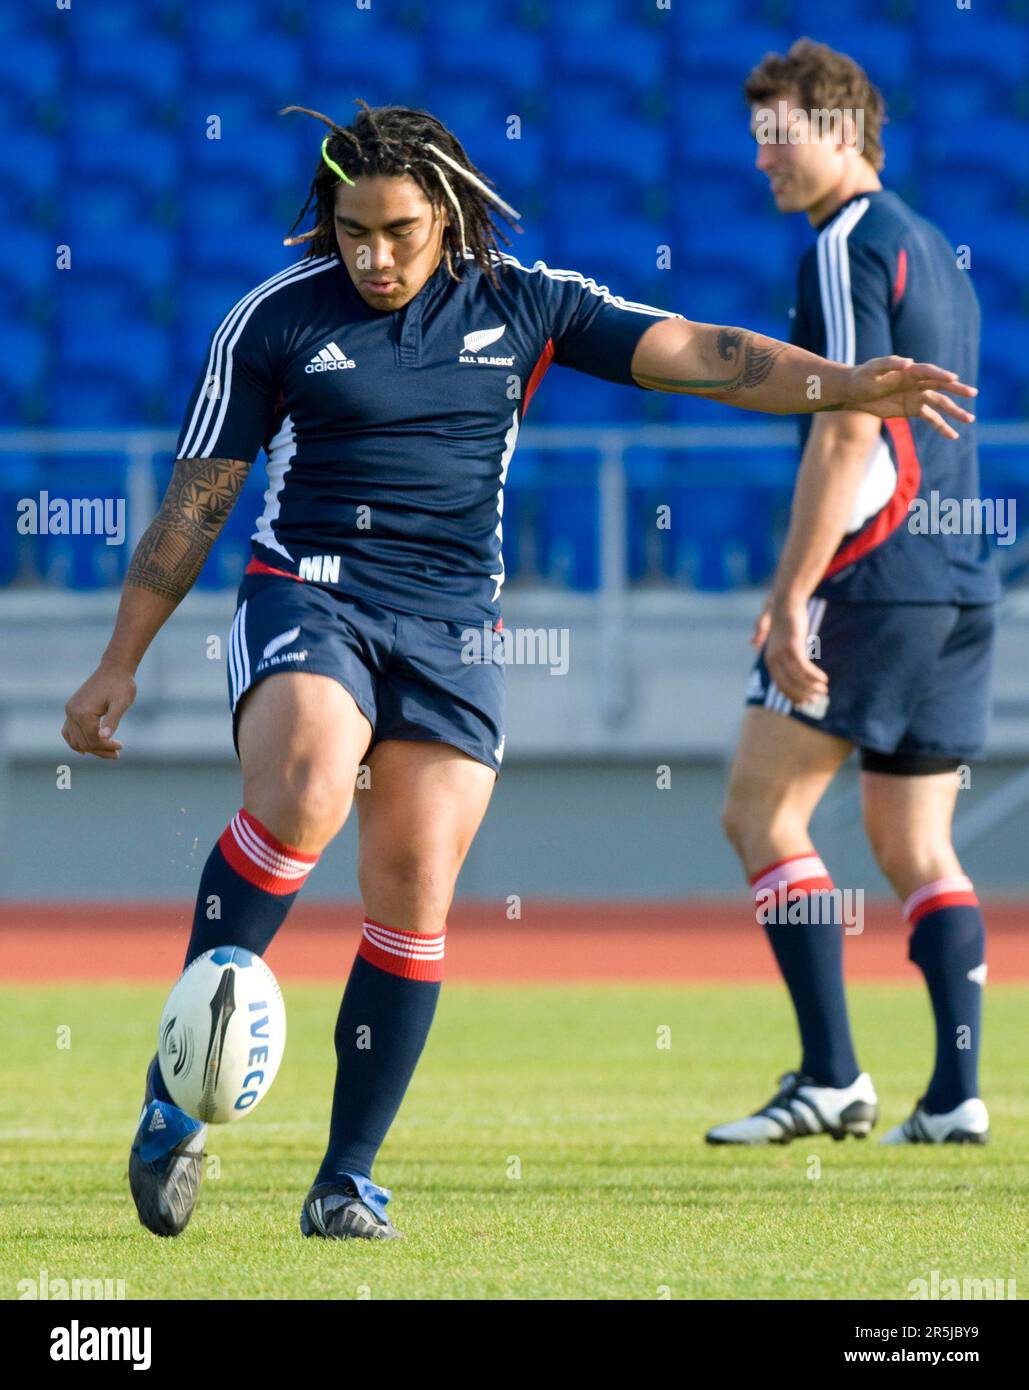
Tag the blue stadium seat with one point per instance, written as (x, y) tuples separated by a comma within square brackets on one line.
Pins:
[(21, 476), (144, 256), (254, 249), (120, 20), (477, 114), (237, 21), (568, 534), (143, 161), (83, 561), (639, 156), (331, 24), (998, 145), (981, 189), (957, 44), (383, 69), (254, 143), (27, 268), (1004, 372), (30, 166), (270, 63), (451, 55), (728, 57), (93, 400), (23, 352), (130, 350), (31, 71), (627, 61), (149, 67)]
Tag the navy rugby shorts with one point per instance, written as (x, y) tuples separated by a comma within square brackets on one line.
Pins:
[(909, 683), (411, 677)]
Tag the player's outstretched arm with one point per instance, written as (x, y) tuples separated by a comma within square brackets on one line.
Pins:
[(756, 373), (163, 568)]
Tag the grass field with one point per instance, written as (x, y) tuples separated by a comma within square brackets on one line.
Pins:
[(617, 1197)]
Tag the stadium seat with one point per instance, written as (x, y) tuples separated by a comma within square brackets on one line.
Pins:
[(28, 267), (626, 61), (270, 63), (23, 351), (30, 167), (452, 56), (151, 67), (726, 57), (83, 561), (568, 535), (638, 157), (145, 162), (130, 350), (145, 256), (31, 71), (345, 27), (93, 400), (953, 48), (383, 69), (117, 21)]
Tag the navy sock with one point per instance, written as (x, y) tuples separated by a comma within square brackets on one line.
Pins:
[(948, 946), (383, 1022), (249, 883), (809, 952)]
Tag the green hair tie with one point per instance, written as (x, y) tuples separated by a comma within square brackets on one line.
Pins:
[(333, 165)]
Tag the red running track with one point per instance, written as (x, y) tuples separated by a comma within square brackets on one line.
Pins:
[(553, 941)]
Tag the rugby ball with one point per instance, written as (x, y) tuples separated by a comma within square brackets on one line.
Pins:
[(222, 1035)]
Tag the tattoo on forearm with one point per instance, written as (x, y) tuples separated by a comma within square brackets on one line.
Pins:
[(753, 360), (176, 543)]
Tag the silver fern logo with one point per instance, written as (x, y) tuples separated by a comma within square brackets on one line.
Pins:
[(475, 342)]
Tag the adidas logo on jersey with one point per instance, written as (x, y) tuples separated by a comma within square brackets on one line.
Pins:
[(330, 359), (481, 338), (157, 1121)]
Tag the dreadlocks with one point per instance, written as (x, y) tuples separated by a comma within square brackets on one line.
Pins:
[(396, 140)]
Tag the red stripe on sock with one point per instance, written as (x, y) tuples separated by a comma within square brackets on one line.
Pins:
[(958, 899), (411, 955), (778, 864), (262, 859)]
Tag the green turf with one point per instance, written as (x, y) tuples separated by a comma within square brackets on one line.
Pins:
[(617, 1197)]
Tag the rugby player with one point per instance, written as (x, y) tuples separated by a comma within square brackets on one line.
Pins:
[(876, 636), (386, 375)]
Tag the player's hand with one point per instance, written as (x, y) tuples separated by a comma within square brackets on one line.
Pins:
[(94, 711), (891, 387), (787, 658), (759, 636)]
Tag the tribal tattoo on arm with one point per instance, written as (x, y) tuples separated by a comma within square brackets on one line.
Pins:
[(750, 356), (175, 545)]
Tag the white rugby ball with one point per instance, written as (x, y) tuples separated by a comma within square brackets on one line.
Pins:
[(222, 1035)]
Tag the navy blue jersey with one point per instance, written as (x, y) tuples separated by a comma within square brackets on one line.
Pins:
[(882, 280), (389, 434)]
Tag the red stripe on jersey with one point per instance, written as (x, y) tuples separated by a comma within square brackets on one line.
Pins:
[(259, 567), (900, 283), (909, 475), (538, 372)]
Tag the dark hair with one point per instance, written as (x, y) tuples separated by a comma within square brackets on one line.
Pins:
[(396, 140), (824, 80)]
